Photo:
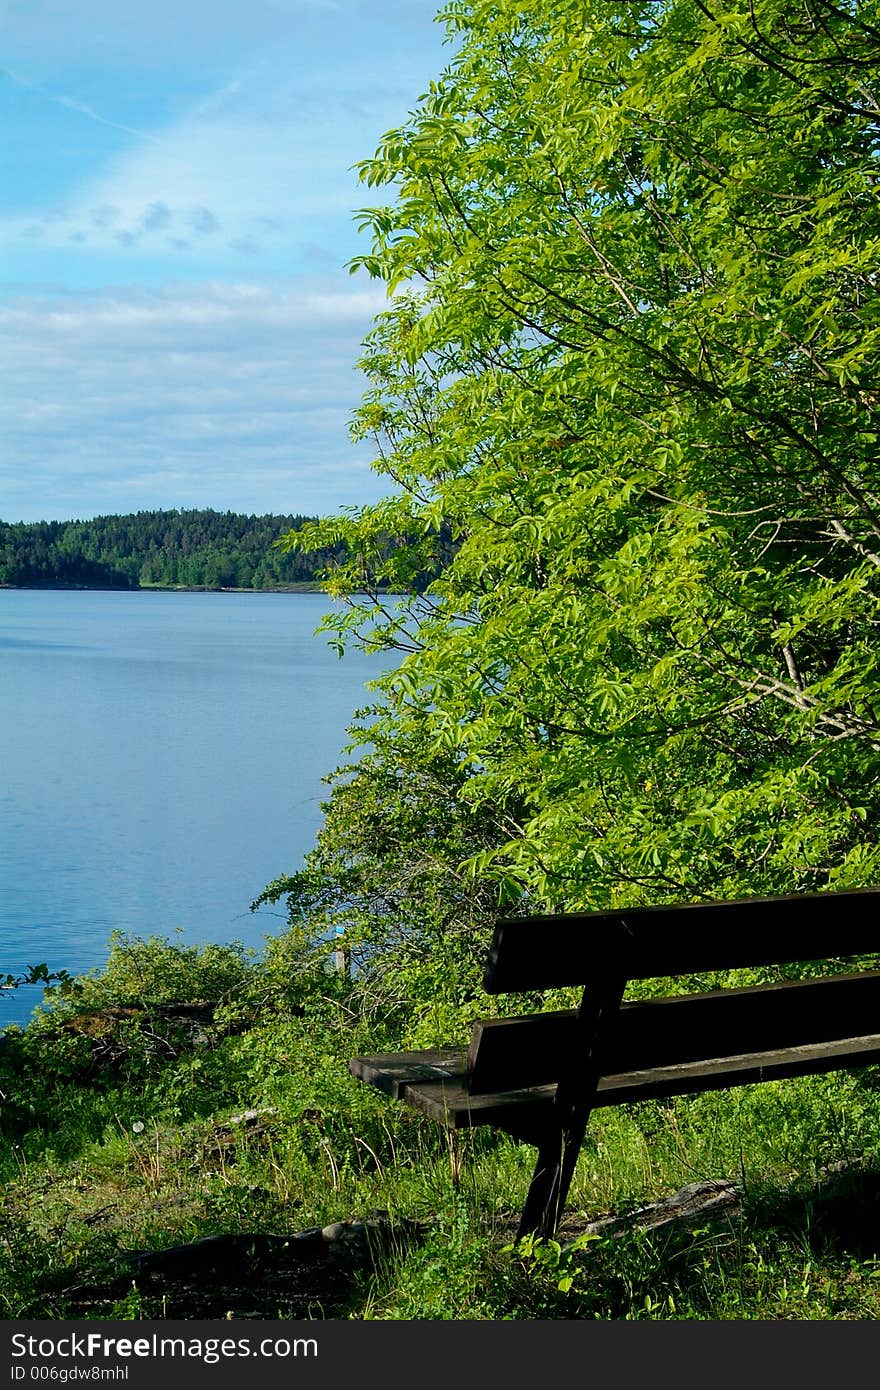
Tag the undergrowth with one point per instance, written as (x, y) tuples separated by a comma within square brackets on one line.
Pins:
[(185, 1092)]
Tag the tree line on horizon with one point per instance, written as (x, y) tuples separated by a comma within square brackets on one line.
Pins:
[(191, 548)]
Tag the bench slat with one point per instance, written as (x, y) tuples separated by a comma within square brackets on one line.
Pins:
[(529, 1051), (397, 1070), (447, 1100), (537, 953)]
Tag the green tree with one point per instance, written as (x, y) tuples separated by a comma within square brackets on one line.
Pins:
[(385, 882), (629, 365)]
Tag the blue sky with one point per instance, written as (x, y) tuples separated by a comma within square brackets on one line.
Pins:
[(177, 328)]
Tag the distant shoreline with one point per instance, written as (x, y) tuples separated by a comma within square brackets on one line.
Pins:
[(306, 587), (192, 550)]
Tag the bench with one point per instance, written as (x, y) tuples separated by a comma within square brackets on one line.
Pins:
[(538, 1077)]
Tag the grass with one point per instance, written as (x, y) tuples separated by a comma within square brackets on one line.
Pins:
[(137, 1152)]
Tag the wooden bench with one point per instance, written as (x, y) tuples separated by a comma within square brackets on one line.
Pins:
[(538, 1077)]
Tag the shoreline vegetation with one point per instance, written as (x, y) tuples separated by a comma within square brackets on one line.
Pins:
[(305, 586), (190, 550)]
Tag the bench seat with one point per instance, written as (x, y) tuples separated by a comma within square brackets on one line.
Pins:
[(435, 1083)]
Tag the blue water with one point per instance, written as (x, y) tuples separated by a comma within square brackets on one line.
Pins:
[(161, 760)]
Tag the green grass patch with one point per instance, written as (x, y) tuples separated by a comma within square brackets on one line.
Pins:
[(122, 1132)]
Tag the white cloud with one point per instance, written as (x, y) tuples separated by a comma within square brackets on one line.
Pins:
[(263, 156), (217, 394), (227, 395), (81, 108)]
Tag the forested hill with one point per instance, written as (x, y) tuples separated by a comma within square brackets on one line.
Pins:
[(199, 549)]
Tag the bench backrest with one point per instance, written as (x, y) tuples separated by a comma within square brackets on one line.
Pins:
[(602, 950), (513, 1053), (539, 953)]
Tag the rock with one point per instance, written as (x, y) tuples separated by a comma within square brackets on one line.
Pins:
[(250, 1117)]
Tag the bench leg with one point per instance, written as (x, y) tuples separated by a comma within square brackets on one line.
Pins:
[(554, 1169), (541, 1204), (560, 1144)]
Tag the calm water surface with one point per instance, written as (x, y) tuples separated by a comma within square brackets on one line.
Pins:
[(161, 757)]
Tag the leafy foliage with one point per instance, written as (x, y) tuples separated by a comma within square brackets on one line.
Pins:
[(154, 1000), (385, 883), (34, 975), (629, 364)]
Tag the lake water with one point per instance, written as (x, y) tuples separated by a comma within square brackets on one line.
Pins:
[(161, 757)]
